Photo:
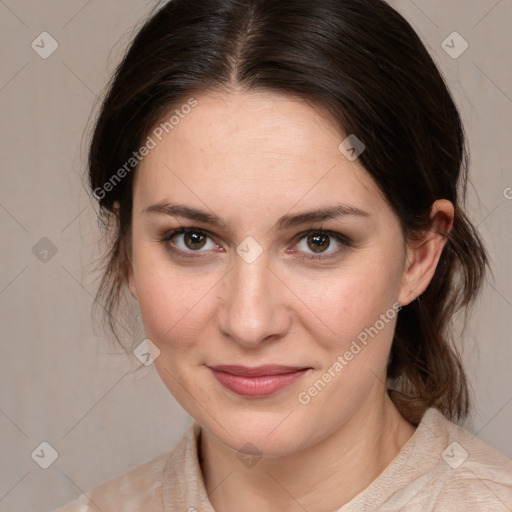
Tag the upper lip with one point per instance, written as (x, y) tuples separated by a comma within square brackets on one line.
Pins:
[(256, 371)]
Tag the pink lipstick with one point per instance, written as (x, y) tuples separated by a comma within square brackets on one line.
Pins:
[(257, 381)]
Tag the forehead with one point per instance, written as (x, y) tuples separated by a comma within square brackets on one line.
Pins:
[(254, 148)]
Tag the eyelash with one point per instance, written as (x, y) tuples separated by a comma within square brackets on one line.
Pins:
[(167, 237)]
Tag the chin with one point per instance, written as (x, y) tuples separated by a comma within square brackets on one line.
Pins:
[(261, 434)]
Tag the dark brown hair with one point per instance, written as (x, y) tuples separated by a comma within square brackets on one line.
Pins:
[(364, 64)]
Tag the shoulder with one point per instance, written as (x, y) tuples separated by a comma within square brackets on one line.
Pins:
[(470, 472), (471, 492), (465, 454), (149, 487), (442, 468), (138, 489)]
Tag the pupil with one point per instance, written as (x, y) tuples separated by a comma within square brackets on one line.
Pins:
[(320, 242), (195, 239)]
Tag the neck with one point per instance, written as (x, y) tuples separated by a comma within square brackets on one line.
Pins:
[(321, 478)]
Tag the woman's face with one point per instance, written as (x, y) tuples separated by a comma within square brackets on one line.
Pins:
[(249, 286)]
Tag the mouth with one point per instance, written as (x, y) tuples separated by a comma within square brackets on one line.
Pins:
[(257, 381)]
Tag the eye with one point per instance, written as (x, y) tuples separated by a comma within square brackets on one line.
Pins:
[(189, 240), (316, 243)]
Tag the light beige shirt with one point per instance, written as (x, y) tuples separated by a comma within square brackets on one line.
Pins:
[(442, 467)]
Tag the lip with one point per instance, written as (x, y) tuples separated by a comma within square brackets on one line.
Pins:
[(257, 381)]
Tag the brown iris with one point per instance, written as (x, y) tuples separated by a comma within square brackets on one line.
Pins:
[(319, 242), (197, 240)]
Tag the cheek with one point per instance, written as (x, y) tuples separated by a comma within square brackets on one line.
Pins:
[(351, 300), (167, 306), (174, 304), (360, 310), (174, 311)]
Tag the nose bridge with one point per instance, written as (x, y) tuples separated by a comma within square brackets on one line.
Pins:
[(251, 311)]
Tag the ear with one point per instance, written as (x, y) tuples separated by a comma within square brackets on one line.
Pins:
[(423, 255), (129, 267)]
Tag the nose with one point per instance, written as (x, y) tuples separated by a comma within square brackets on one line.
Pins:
[(253, 308)]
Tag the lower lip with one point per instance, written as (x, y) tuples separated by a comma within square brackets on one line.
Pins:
[(257, 386)]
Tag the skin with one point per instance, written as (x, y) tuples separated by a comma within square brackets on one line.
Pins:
[(252, 158)]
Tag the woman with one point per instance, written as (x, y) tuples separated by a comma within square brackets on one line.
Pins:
[(285, 180)]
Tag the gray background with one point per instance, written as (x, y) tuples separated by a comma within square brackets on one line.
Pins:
[(60, 381)]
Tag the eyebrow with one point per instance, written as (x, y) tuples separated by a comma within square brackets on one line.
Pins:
[(285, 222)]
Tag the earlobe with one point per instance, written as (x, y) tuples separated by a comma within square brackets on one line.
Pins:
[(423, 256)]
